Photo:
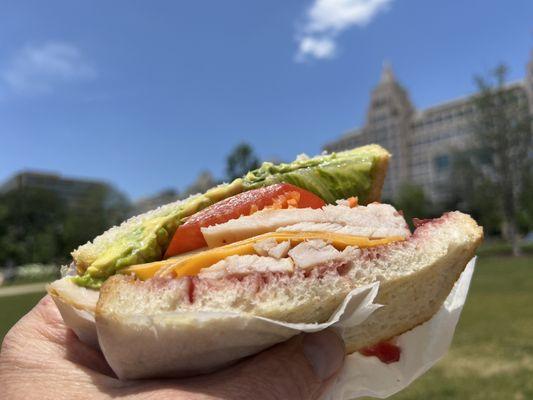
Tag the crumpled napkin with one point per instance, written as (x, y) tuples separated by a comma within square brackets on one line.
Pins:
[(421, 348)]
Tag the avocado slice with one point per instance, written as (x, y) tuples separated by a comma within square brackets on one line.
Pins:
[(359, 172), (140, 239)]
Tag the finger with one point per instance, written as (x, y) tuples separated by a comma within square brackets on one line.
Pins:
[(44, 327), (73, 349), (41, 353), (301, 368)]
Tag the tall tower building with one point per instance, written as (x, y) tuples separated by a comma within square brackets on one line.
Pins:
[(422, 142), (388, 121)]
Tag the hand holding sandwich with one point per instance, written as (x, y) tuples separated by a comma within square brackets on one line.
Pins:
[(42, 358)]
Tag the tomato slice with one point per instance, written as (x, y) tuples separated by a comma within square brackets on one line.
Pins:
[(282, 195)]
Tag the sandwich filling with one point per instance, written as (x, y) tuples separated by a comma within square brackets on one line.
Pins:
[(282, 241), (308, 182)]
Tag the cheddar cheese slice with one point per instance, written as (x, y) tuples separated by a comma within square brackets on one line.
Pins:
[(191, 264)]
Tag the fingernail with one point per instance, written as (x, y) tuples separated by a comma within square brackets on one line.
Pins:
[(325, 352)]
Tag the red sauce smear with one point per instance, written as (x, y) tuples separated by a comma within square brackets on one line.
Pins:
[(387, 352), (191, 290)]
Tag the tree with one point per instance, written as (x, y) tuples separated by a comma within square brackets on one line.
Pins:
[(37, 225), (204, 181), (31, 222), (241, 160), (526, 204), (102, 208), (496, 164), (473, 195), (413, 202)]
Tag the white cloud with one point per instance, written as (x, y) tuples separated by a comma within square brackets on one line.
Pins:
[(315, 47), (326, 19), (38, 69)]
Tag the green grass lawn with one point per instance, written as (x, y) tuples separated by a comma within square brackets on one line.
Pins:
[(492, 353), (14, 307)]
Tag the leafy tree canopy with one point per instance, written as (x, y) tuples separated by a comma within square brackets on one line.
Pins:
[(241, 160)]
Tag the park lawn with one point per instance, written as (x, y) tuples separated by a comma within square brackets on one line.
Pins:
[(492, 352), (14, 307)]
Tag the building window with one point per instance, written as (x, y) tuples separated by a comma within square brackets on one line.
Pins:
[(442, 162)]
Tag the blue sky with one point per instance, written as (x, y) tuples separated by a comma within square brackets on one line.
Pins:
[(148, 94)]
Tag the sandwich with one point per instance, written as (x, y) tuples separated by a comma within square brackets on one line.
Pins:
[(193, 286)]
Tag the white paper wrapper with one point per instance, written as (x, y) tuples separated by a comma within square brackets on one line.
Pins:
[(421, 348), (244, 335), (178, 343), (80, 321)]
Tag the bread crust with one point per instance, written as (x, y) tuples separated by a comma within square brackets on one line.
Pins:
[(412, 292)]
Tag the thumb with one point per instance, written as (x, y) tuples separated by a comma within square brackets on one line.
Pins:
[(300, 368)]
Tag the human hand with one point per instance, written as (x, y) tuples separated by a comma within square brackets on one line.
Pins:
[(42, 358)]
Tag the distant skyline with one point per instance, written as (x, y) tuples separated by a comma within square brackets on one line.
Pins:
[(148, 95)]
